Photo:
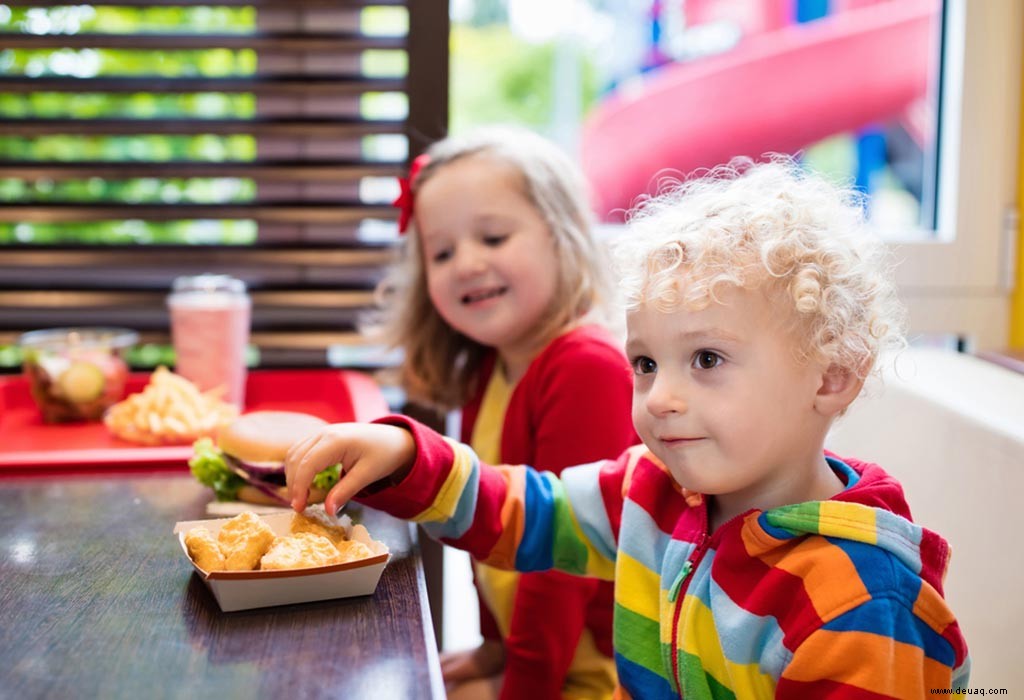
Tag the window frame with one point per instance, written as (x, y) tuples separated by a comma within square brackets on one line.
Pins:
[(959, 281)]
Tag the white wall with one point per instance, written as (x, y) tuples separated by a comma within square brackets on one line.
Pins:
[(951, 428)]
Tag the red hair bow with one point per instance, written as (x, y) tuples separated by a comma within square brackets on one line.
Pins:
[(404, 201)]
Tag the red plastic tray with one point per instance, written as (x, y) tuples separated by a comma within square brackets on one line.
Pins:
[(29, 446)]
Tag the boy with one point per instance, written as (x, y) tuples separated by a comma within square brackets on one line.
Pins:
[(747, 561)]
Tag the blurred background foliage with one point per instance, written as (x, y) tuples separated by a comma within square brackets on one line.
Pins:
[(497, 76), (82, 63), (74, 19)]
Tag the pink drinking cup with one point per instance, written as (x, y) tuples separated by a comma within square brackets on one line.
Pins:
[(210, 321)]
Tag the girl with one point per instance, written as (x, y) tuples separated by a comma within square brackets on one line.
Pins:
[(494, 303)]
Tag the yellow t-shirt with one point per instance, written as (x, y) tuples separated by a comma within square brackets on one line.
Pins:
[(591, 674)]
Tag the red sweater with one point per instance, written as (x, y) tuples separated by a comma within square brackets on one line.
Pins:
[(572, 406)]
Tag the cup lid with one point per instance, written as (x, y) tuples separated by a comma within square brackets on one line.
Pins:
[(209, 283), (79, 336)]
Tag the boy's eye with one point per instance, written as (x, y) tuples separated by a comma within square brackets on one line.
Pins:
[(706, 359), (441, 255), (644, 365)]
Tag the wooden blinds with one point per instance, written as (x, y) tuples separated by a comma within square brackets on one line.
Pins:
[(144, 140)]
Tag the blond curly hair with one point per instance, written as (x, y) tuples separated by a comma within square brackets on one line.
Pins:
[(771, 225)]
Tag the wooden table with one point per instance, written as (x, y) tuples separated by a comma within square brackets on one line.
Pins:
[(97, 600)]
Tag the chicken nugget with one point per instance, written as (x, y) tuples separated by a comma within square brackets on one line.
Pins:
[(350, 550), (317, 522), (204, 550), (244, 540), (300, 551)]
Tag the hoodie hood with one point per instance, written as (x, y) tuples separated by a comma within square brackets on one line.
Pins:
[(873, 510)]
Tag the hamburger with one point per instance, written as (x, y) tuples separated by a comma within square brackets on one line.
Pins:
[(246, 463)]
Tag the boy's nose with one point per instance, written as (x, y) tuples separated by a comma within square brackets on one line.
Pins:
[(665, 397)]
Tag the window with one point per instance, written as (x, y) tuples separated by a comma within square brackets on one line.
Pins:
[(143, 140), (914, 101)]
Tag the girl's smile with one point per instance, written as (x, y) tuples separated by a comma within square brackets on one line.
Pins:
[(478, 298)]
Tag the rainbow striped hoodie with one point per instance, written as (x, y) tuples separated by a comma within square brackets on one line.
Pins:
[(839, 598)]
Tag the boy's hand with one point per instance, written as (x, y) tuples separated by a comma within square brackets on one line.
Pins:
[(368, 452)]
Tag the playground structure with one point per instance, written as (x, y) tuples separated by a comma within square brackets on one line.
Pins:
[(783, 87)]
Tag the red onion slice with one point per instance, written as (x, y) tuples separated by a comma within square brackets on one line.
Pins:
[(263, 487), (261, 469)]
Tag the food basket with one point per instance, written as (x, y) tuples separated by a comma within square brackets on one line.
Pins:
[(243, 590)]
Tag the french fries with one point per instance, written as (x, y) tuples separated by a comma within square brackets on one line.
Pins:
[(169, 411)]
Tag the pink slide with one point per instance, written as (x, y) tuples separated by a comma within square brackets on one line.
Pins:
[(776, 92)]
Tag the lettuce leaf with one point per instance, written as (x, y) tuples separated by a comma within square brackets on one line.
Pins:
[(327, 478), (210, 469)]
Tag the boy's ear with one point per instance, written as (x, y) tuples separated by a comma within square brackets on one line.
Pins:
[(839, 387)]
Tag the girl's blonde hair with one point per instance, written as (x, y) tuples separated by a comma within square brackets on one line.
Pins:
[(441, 365), (776, 226)]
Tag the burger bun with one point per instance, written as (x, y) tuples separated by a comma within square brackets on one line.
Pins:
[(264, 438), (251, 494)]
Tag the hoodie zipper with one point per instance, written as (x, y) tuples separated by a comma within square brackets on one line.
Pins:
[(674, 597), (680, 583)]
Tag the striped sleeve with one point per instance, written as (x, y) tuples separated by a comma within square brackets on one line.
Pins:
[(511, 517)]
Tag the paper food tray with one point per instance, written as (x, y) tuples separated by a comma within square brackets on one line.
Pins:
[(243, 590)]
